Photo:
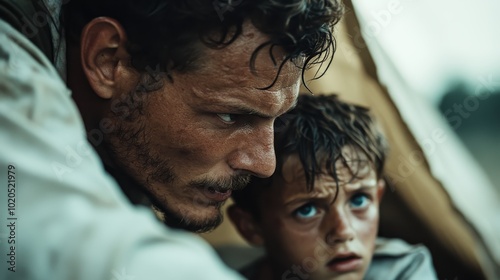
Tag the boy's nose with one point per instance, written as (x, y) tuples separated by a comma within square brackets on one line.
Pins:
[(340, 228)]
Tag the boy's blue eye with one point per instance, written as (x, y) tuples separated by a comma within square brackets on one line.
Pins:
[(306, 211), (359, 200)]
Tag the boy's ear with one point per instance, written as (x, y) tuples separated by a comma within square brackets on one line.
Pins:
[(104, 56), (246, 225), (380, 189)]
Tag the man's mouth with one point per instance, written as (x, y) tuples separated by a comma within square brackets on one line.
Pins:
[(345, 262), (218, 195), (219, 190)]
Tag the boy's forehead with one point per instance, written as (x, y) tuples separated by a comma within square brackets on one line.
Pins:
[(292, 169), (358, 170)]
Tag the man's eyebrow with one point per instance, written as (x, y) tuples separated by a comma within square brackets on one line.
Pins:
[(241, 110)]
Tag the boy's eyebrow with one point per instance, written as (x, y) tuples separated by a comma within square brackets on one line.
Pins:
[(360, 186), (308, 196), (297, 200)]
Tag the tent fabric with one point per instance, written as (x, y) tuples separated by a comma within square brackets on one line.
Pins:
[(403, 71)]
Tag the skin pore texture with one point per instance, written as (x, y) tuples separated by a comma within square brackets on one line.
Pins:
[(328, 233), (185, 144)]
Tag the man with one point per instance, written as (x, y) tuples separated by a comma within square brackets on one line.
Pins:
[(179, 98), (192, 132)]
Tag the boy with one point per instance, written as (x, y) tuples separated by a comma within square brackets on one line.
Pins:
[(317, 216)]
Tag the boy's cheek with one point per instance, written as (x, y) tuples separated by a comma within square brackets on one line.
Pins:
[(295, 255), (299, 243), (301, 228), (366, 233), (288, 234)]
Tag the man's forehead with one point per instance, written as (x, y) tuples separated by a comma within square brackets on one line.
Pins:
[(225, 85), (246, 62), (237, 69)]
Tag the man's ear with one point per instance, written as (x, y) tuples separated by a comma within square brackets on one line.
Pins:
[(380, 189), (104, 56), (246, 225)]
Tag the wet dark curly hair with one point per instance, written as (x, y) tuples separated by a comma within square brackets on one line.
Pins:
[(317, 130), (167, 32)]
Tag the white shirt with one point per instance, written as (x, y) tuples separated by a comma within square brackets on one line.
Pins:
[(69, 219)]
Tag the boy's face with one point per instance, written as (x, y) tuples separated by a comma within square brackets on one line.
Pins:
[(309, 237)]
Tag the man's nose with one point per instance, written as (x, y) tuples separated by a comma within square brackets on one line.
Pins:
[(255, 154), (339, 227)]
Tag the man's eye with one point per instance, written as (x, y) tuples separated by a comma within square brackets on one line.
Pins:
[(359, 200), (306, 211), (227, 118)]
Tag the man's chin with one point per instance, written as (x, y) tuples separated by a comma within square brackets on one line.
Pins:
[(202, 220)]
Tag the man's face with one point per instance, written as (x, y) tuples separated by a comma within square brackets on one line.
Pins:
[(200, 136), (309, 237)]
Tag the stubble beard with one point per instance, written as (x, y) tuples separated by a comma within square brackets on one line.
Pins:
[(178, 219), (128, 144)]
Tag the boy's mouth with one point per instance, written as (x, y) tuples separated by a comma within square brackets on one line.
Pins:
[(345, 262)]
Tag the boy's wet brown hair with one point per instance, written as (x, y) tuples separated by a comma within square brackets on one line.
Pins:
[(317, 130)]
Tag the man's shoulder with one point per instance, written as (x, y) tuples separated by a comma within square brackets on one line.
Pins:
[(27, 76), (19, 57), (24, 15), (396, 259)]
